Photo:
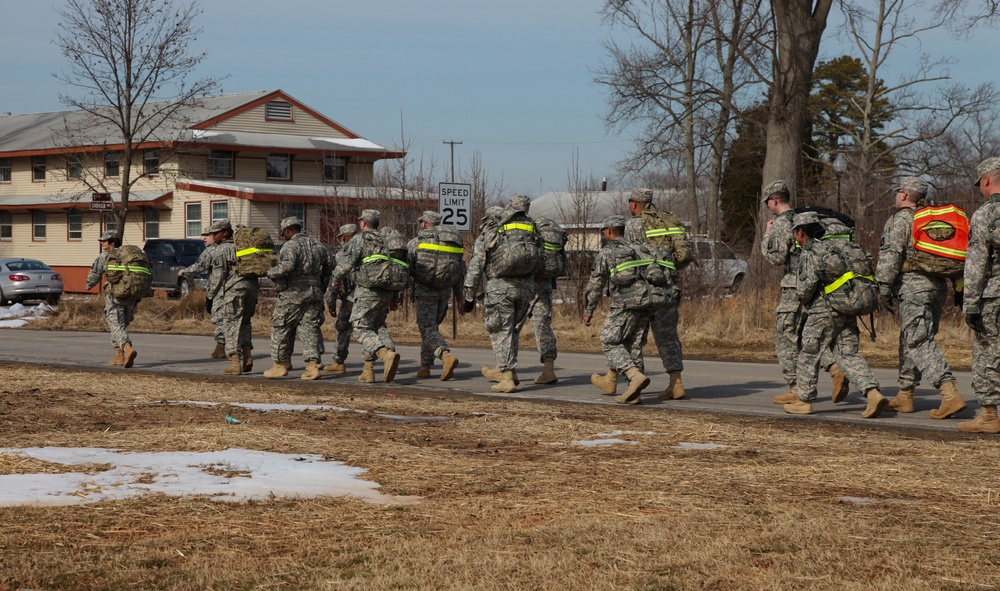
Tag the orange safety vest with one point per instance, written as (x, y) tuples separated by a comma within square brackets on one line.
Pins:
[(941, 217)]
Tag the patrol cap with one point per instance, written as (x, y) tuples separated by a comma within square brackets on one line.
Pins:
[(109, 235), (347, 229), (641, 195), (988, 165), (493, 211), (289, 222), (522, 202), (222, 225), (804, 219), (613, 221), (775, 187), (431, 217), (912, 184), (371, 216)]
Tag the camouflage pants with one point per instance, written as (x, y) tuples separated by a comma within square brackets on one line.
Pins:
[(236, 310), (344, 328), (305, 318), (505, 306), (541, 320), (787, 321), (119, 314), (371, 307), (217, 333), (663, 325), (622, 337), (986, 356), (919, 355), (823, 331), (431, 308)]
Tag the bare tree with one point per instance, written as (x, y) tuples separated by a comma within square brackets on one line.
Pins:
[(129, 62)]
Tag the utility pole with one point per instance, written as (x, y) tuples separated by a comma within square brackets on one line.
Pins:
[(452, 142)]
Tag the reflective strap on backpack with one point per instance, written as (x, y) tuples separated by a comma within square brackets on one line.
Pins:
[(130, 268), (252, 250), (837, 237), (666, 264), (552, 246), (844, 279), (516, 226), (441, 248), (664, 232), (381, 257), (952, 253)]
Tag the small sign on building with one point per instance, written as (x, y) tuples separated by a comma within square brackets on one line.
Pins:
[(101, 202)]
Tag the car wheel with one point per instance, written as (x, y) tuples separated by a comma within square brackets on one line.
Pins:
[(3, 300), (737, 281), (184, 288)]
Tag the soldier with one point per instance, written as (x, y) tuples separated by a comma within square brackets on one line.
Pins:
[(436, 264), (624, 330), (301, 276), (779, 248), (921, 301), (343, 293), (503, 263), (982, 299), (204, 265), (360, 256), (825, 328), (663, 229), (234, 299), (118, 313)]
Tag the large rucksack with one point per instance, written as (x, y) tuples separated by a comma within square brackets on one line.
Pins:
[(553, 249), (835, 224), (514, 250), (665, 229), (384, 263), (438, 262), (254, 252), (940, 239), (643, 280), (129, 273), (848, 278)]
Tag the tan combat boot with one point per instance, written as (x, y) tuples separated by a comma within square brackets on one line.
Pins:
[(506, 384), (951, 402), (277, 371), (312, 370), (235, 367), (608, 383), (390, 359), (129, 353), (636, 382), (247, 355), (368, 373), (448, 364), (876, 403), (675, 389), (219, 352), (841, 386), (118, 359), (424, 372), (902, 402), (799, 407), (787, 398), (335, 367), (985, 422), (548, 373), (493, 374)]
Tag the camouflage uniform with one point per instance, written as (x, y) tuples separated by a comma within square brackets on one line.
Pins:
[(624, 331), (540, 313), (431, 308), (779, 248), (302, 275), (118, 313), (345, 295), (204, 265), (234, 298), (982, 296)]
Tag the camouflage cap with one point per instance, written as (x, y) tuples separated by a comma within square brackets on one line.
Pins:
[(289, 222), (431, 217), (222, 225), (778, 186), (641, 195), (347, 229), (522, 202), (912, 184), (613, 221), (493, 211), (371, 216), (109, 235), (988, 165), (805, 218)]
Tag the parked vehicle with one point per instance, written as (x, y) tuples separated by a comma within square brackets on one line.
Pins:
[(170, 255), (28, 279), (716, 266)]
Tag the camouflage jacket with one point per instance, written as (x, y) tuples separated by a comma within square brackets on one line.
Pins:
[(599, 283), (348, 259), (419, 289), (895, 247), (779, 247), (223, 280), (809, 284), (981, 258), (97, 270), (476, 270), (303, 270), (346, 285), (216, 275), (678, 246)]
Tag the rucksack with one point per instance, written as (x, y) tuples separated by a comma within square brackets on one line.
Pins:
[(553, 249), (835, 224), (940, 239), (129, 273), (384, 263), (848, 277), (438, 261), (642, 279), (254, 252), (514, 250), (665, 229)]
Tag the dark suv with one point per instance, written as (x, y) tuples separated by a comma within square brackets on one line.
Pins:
[(170, 255)]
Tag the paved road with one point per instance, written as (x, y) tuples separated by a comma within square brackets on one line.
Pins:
[(712, 386)]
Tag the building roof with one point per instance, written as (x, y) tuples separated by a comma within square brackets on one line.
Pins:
[(274, 192), (586, 209), (66, 200)]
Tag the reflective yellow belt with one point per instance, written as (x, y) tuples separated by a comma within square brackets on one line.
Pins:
[(382, 257), (130, 268), (844, 279), (664, 232), (251, 250), (441, 248), (640, 263), (551, 246), (940, 249), (517, 226)]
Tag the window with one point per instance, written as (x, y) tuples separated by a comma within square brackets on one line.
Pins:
[(192, 220), (38, 225), (152, 216), (334, 169), (74, 168), (279, 167), (287, 210), (74, 225), (38, 168), (112, 164), (110, 223), (220, 211), (151, 162), (6, 226), (278, 111), (5, 166), (222, 163)]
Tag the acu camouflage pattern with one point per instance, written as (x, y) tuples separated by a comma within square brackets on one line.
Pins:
[(235, 299), (254, 252), (540, 314), (778, 246), (430, 301), (921, 301), (302, 274), (371, 306), (343, 327), (514, 248), (118, 313), (204, 265), (129, 273), (982, 296)]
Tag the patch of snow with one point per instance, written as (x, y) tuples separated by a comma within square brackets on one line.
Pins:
[(18, 315), (603, 442), (685, 445)]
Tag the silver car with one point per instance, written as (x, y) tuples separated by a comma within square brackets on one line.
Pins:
[(28, 279), (716, 266)]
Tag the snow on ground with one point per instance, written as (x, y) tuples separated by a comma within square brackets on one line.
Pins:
[(18, 315)]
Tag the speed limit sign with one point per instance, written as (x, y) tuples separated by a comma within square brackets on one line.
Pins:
[(455, 203)]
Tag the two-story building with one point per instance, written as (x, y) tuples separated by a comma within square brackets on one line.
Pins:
[(254, 158)]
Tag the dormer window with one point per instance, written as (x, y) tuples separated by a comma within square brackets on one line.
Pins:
[(278, 111)]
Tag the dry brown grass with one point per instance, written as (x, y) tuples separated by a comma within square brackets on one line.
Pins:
[(509, 501)]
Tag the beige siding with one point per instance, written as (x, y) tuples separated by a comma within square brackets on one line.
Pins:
[(304, 124), (57, 248), (56, 183)]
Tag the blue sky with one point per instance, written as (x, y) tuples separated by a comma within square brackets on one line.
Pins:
[(511, 80)]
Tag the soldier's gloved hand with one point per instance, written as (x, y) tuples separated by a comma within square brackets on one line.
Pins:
[(959, 299), (469, 306), (886, 301), (975, 322)]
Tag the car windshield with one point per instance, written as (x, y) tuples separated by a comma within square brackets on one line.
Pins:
[(27, 265)]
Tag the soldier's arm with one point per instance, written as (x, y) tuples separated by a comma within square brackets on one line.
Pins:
[(347, 258), (477, 266), (595, 285), (977, 259), (96, 270), (808, 283), (777, 243), (287, 259), (891, 252)]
